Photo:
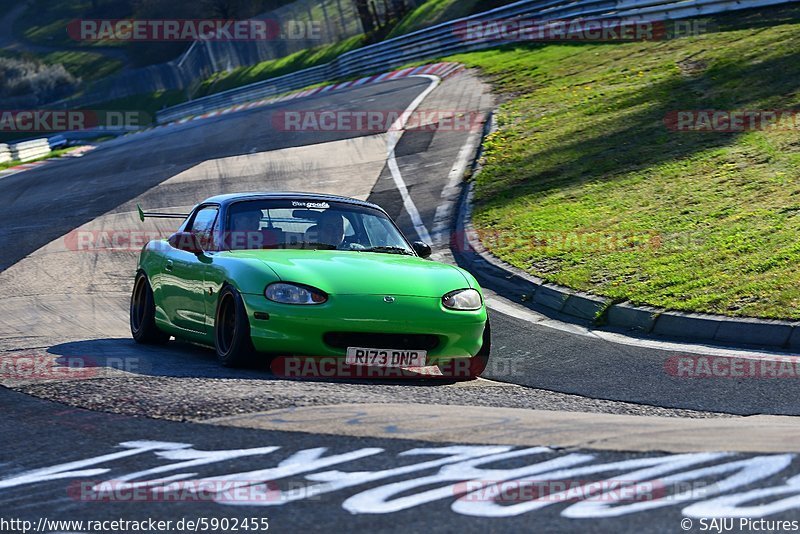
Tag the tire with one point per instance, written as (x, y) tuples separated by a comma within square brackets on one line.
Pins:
[(143, 314), (232, 330), (464, 369), (478, 363)]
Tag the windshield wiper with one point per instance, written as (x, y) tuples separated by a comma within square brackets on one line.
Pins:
[(309, 246), (389, 250)]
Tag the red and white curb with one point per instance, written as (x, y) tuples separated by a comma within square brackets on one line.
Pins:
[(77, 153), (22, 167), (441, 70)]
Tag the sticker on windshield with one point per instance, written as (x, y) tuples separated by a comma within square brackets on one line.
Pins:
[(311, 205)]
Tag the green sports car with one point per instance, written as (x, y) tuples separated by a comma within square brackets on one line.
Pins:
[(306, 275)]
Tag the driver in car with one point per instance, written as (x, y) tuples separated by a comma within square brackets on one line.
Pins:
[(328, 231), (246, 230)]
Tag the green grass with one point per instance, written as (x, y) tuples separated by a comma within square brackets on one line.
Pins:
[(433, 12), (584, 186), (87, 66), (303, 59), (147, 105), (437, 11), (44, 22), (53, 154)]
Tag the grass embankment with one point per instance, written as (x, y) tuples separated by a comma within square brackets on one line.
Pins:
[(585, 186), (146, 105), (88, 66), (435, 12), (432, 12), (44, 22), (312, 57), (53, 154)]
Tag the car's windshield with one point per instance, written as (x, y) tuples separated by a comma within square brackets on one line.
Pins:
[(311, 225)]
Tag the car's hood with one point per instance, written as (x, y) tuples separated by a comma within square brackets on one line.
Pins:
[(362, 273)]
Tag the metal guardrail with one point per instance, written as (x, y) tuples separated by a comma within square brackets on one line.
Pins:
[(57, 141), (30, 150), (5, 153), (444, 39)]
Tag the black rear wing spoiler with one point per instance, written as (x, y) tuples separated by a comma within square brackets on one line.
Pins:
[(150, 215)]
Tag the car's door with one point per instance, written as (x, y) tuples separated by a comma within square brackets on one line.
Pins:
[(182, 288)]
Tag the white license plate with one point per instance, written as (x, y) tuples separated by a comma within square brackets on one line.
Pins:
[(386, 357)]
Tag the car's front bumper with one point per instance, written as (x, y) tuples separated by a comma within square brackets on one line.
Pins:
[(300, 330)]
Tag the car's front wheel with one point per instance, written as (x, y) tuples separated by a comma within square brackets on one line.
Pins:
[(143, 314), (480, 361), (232, 330), (470, 368)]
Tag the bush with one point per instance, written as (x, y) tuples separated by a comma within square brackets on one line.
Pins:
[(29, 78)]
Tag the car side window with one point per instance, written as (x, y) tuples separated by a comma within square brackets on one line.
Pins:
[(376, 230), (349, 231), (203, 225)]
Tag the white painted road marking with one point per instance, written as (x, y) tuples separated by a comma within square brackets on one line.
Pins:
[(592, 488), (444, 211), (395, 134)]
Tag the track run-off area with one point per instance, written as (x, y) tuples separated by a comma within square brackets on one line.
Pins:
[(571, 426)]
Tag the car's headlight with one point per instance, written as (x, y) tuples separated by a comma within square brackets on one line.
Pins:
[(295, 294), (463, 300)]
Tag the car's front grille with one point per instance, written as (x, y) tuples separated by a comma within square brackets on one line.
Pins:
[(343, 340)]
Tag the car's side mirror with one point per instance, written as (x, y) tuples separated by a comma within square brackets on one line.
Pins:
[(423, 250), (186, 241)]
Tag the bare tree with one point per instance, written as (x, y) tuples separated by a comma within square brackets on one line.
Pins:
[(239, 9), (364, 13)]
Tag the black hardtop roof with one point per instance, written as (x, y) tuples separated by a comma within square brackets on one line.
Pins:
[(287, 195)]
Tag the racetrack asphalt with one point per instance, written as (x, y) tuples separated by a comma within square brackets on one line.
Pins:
[(74, 305), (82, 467)]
